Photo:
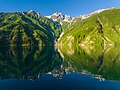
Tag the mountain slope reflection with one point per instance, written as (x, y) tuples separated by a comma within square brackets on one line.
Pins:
[(27, 62), (102, 63)]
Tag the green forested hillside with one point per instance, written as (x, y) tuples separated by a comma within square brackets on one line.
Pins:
[(31, 28), (99, 29), (27, 28)]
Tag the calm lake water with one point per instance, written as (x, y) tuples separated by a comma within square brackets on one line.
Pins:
[(46, 68)]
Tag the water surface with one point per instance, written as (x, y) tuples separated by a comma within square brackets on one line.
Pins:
[(44, 68)]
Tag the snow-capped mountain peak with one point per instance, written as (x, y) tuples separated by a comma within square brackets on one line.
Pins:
[(33, 13), (60, 17)]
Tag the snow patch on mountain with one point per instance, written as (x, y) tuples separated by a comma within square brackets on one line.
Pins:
[(59, 17), (95, 12)]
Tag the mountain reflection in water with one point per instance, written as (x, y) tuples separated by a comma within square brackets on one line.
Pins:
[(102, 63), (27, 62), (69, 65)]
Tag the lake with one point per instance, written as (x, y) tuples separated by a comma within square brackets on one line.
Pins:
[(49, 68)]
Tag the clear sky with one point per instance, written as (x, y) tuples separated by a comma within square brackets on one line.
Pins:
[(47, 7)]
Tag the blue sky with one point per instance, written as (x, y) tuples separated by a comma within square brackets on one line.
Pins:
[(47, 7)]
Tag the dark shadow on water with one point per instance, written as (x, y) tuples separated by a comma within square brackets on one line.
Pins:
[(27, 62)]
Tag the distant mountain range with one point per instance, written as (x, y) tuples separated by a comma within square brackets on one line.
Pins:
[(30, 28)]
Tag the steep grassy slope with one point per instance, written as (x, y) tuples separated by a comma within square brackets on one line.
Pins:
[(46, 23), (28, 28), (99, 29)]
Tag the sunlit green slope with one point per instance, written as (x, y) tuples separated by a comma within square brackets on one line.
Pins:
[(99, 29)]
